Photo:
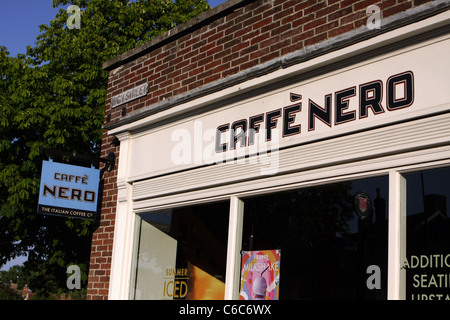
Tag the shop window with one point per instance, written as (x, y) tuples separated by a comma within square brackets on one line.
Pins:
[(181, 253), (427, 261), (332, 239)]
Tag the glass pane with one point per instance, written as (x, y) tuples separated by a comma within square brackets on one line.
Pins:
[(182, 253), (326, 247), (427, 262)]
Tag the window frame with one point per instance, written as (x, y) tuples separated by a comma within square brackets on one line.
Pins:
[(396, 211)]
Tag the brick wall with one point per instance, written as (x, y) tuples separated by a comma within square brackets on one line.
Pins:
[(102, 239), (234, 41), (251, 35)]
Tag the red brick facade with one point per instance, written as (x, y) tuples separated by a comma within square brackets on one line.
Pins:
[(225, 41), (102, 240)]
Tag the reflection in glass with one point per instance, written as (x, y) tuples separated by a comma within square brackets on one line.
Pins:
[(153, 260), (326, 247), (181, 253), (427, 262)]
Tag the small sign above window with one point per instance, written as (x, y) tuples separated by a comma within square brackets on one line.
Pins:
[(129, 95)]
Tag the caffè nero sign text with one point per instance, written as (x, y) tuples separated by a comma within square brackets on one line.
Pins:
[(68, 190)]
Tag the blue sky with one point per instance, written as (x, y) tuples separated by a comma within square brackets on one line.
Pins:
[(20, 20), (19, 27)]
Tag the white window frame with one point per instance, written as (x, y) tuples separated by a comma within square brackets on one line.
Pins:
[(396, 212)]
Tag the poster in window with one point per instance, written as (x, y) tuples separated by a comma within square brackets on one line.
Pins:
[(260, 275)]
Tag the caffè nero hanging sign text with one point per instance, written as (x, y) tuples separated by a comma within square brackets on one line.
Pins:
[(68, 190)]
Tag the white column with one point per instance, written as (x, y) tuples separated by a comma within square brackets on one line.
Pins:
[(119, 285), (233, 267), (397, 236)]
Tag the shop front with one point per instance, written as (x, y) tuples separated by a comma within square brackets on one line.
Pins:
[(334, 171)]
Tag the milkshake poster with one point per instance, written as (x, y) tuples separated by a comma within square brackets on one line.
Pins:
[(260, 275)]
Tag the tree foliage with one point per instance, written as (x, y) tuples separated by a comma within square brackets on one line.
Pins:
[(54, 97)]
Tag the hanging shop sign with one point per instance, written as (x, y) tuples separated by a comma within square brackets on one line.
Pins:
[(260, 275), (68, 190)]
